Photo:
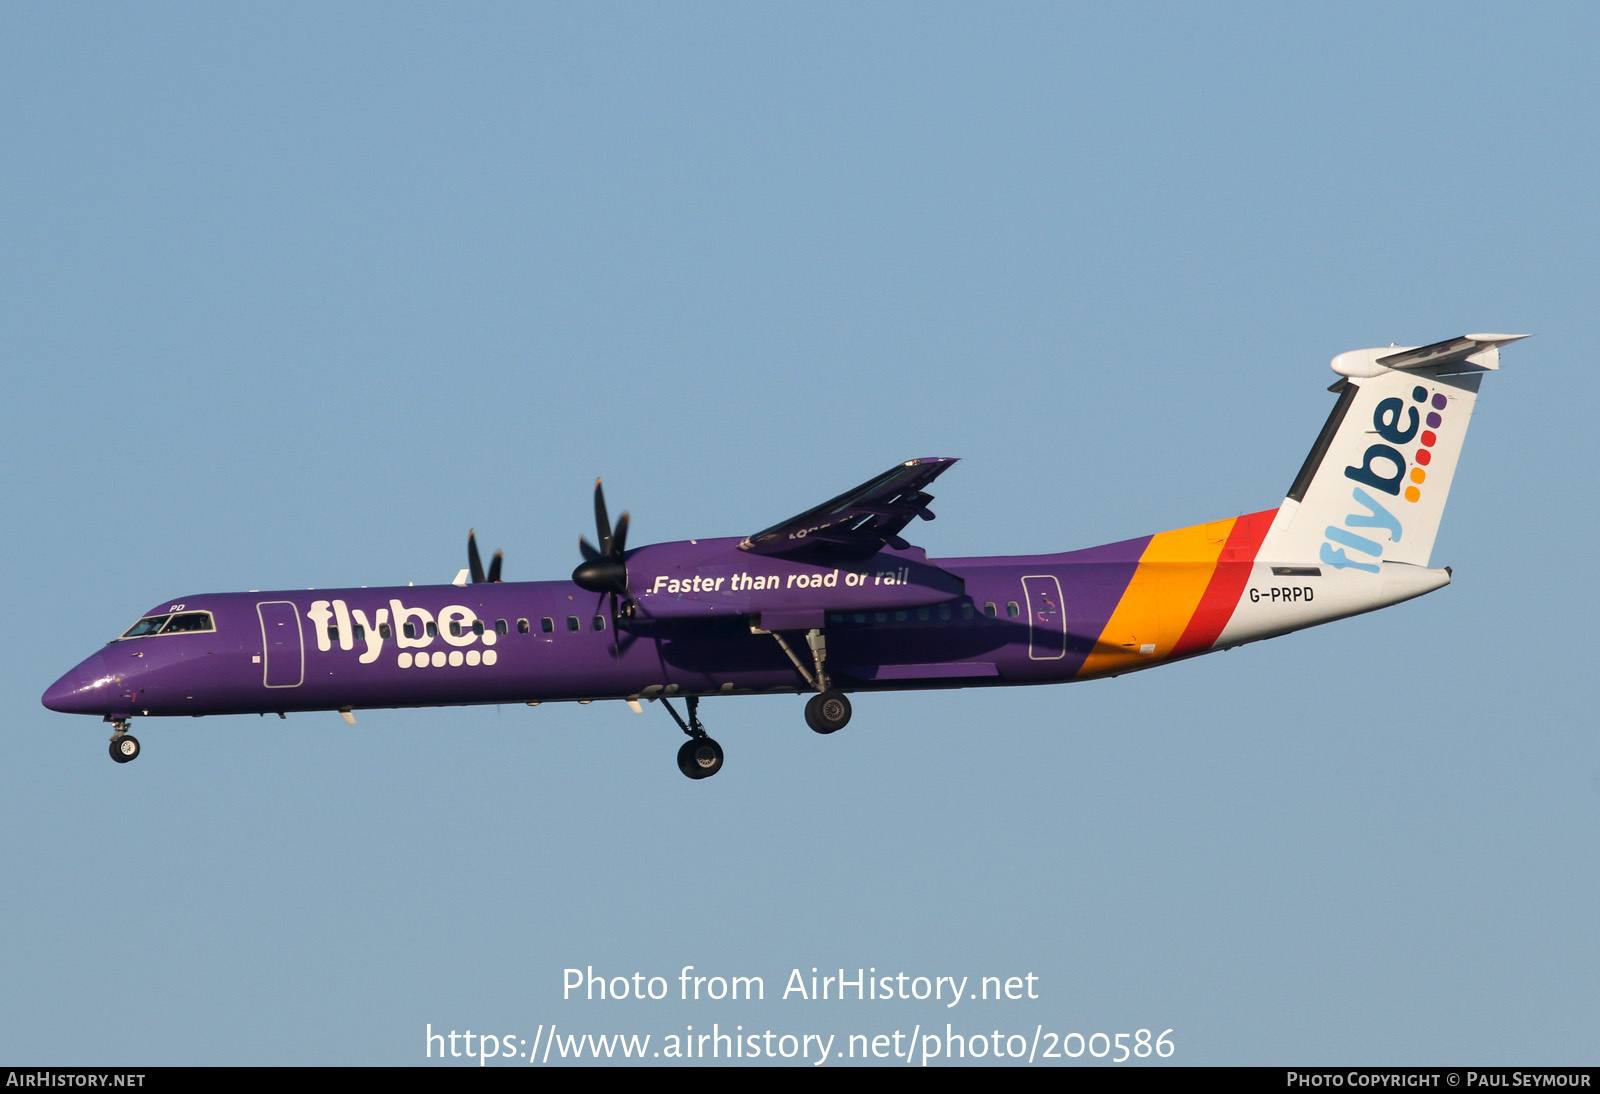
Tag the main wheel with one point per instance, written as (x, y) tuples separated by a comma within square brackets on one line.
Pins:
[(125, 748), (700, 758), (828, 712)]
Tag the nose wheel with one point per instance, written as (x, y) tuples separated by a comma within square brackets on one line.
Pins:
[(124, 745)]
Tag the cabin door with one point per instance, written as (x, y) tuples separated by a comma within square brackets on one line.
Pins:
[(1047, 617), (283, 650)]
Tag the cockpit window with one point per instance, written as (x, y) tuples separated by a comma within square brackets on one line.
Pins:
[(150, 624), (176, 623), (185, 622)]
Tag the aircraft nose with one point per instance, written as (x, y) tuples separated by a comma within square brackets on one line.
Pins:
[(87, 689)]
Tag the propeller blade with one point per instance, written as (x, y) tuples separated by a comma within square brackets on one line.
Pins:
[(474, 563), (602, 522), (619, 538), (494, 565), (586, 549)]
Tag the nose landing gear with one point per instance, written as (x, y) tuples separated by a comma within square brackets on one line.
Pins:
[(124, 745)]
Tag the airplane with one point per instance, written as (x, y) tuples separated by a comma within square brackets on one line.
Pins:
[(834, 601)]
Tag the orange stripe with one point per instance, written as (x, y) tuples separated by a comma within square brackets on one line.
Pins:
[(1227, 582), (1173, 575)]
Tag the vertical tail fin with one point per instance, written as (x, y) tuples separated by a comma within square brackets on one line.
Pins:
[(1374, 486)]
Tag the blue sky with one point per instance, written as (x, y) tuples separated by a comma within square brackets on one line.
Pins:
[(294, 296)]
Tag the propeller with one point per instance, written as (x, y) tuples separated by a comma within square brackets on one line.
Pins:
[(603, 569), (475, 563)]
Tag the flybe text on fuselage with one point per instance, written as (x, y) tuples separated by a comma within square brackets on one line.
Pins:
[(413, 629)]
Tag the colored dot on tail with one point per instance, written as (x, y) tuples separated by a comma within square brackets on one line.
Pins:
[(1439, 401), (1429, 438), (1424, 456), (1434, 420), (1418, 474), (1413, 494), (1420, 394)]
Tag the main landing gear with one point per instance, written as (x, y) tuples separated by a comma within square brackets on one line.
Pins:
[(700, 757), (828, 712), (124, 745)]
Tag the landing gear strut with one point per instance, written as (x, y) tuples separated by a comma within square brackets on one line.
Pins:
[(828, 711), (700, 757), (124, 745)]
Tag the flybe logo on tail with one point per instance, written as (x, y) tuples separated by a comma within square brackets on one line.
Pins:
[(1385, 470)]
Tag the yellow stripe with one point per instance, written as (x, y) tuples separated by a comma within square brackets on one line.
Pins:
[(1165, 591)]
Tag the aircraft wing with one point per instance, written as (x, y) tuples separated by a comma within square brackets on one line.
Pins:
[(860, 521)]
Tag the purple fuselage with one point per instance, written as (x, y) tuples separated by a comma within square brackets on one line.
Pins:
[(891, 620)]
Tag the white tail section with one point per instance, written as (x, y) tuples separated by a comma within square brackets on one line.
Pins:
[(1373, 488)]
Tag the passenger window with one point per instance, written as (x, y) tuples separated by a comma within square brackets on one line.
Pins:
[(880, 617), (500, 627), (988, 609), (599, 622), (1012, 610), (572, 624), (922, 614), (966, 609), (384, 631), (899, 617), (477, 627), (455, 628), (360, 632), (547, 625), (411, 630), (944, 611), (433, 630), (333, 634), (523, 627)]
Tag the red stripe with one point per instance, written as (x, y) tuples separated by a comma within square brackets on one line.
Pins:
[(1226, 584)]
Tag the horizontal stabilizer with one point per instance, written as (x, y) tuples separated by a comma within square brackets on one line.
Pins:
[(1478, 350)]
